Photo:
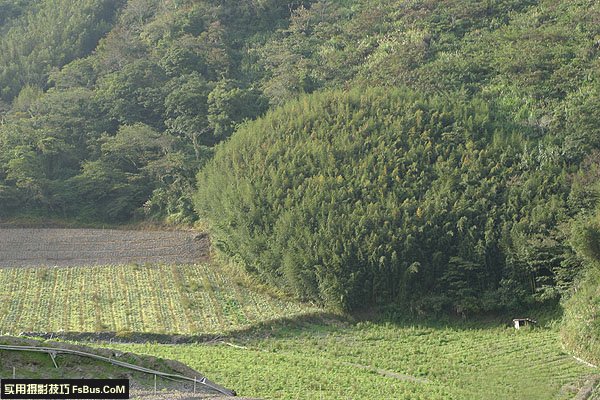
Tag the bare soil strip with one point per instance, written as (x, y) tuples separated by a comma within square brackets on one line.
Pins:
[(81, 247)]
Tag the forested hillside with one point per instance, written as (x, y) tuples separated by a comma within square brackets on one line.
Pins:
[(110, 107), (430, 154)]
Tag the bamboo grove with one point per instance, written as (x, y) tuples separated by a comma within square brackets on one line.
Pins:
[(376, 196)]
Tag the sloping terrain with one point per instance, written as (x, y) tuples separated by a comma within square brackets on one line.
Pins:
[(31, 364), (391, 360)]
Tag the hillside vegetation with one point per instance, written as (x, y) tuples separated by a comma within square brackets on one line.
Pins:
[(112, 114), (428, 155), (581, 328), (383, 196)]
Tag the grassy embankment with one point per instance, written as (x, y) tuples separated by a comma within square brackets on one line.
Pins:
[(39, 365)]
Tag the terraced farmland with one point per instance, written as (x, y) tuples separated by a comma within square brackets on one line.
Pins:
[(276, 361), (388, 361), (182, 299), (74, 247)]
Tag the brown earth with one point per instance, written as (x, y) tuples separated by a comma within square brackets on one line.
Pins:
[(27, 247)]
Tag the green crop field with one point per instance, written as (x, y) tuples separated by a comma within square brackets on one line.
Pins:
[(183, 299), (274, 348), (387, 361)]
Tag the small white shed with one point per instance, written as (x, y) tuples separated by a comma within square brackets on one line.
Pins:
[(520, 322)]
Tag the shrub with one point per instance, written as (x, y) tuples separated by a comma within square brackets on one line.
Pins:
[(385, 196)]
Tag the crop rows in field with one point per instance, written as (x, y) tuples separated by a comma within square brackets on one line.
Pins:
[(183, 299), (376, 361), (72, 247)]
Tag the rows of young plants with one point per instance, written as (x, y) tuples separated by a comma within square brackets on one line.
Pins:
[(183, 299), (385, 361), (73, 247)]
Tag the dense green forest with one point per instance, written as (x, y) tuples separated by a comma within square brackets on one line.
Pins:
[(380, 195), (111, 114), (440, 156)]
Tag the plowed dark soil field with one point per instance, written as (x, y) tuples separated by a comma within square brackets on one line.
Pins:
[(77, 247)]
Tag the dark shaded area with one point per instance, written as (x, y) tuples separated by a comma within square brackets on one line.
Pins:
[(295, 324)]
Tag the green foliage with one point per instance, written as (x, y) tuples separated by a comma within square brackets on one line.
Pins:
[(48, 136), (586, 239), (51, 35), (117, 184), (229, 105), (376, 196), (78, 73), (174, 66), (581, 324), (134, 94), (580, 330), (187, 108), (470, 210), (545, 53), (10, 9), (583, 122)]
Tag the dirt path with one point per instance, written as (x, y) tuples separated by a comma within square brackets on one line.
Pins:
[(80, 247)]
